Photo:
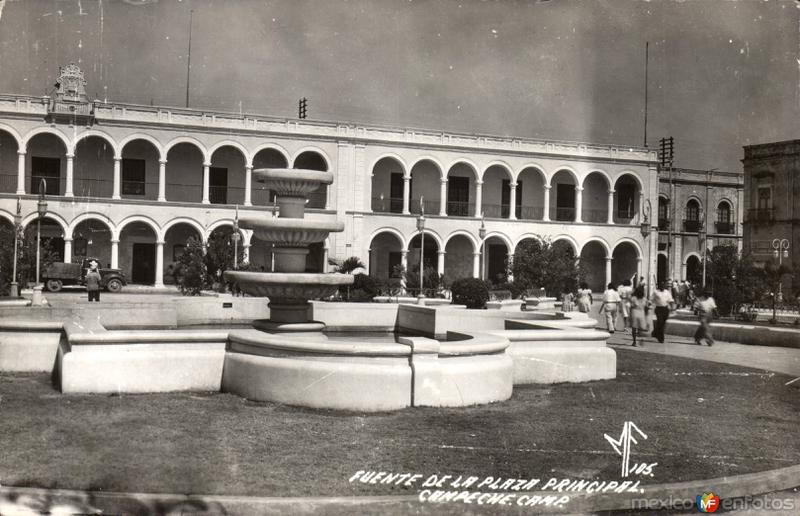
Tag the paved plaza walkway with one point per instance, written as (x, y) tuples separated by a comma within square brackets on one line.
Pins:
[(770, 358)]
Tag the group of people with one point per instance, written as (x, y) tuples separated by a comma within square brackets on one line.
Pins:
[(629, 300)]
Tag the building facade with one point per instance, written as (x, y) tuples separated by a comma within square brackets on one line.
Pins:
[(772, 201), (130, 183), (697, 209)]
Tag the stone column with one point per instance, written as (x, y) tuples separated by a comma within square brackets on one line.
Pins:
[(117, 166), (478, 198), (610, 207), (114, 254), (404, 265), (440, 262), (512, 209), (162, 180), (608, 271), (67, 250), (245, 253), (406, 194), (21, 172), (510, 260), (248, 185), (159, 264), (70, 165), (639, 212), (546, 215), (638, 269), (578, 204), (443, 197), (325, 253), (476, 265), (206, 173)]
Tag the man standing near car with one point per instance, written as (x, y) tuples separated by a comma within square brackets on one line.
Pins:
[(93, 282)]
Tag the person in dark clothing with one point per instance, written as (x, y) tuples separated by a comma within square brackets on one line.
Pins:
[(93, 283)]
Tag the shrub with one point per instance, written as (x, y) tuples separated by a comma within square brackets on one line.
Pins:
[(363, 289), (192, 277), (472, 292)]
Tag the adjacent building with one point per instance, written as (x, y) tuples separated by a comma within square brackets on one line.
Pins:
[(772, 201), (697, 209), (131, 183)]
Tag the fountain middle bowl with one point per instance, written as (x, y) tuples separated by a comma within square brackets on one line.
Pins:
[(290, 231), (288, 284)]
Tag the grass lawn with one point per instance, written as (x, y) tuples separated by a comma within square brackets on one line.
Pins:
[(702, 419)]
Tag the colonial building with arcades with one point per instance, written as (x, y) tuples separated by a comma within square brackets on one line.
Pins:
[(130, 184)]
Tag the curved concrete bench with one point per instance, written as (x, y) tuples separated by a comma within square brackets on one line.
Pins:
[(28, 346)]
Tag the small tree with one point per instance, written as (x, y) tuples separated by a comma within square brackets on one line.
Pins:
[(26, 258), (219, 254), (540, 264), (192, 277), (472, 292), (734, 278), (347, 266), (432, 281)]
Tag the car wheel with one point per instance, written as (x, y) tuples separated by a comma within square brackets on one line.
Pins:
[(54, 285), (114, 285)]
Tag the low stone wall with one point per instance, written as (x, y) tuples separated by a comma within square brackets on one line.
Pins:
[(29, 346), (225, 309), (739, 333), (348, 316)]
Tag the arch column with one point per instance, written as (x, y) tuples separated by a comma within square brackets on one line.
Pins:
[(70, 169), (248, 182), (638, 269), (476, 265), (206, 173), (21, 172), (246, 253), (546, 215), (639, 213), (159, 264), (406, 194), (443, 197), (162, 180), (610, 207), (117, 173), (512, 211), (115, 253), (404, 265), (608, 270), (478, 199), (67, 249), (578, 204), (509, 260), (440, 262)]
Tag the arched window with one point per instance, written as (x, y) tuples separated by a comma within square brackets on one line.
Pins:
[(724, 225), (692, 219), (663, 213)]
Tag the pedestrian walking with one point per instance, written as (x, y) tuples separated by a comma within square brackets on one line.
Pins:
[(93, 282), (706, 309), (609, 307), (584, 298), (567, 300), (663, 304), (625, 290), (639, 324)]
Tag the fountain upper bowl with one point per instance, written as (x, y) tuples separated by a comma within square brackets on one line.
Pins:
[(292, 182)]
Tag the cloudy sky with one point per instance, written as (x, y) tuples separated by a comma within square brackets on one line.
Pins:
[(723, 74)]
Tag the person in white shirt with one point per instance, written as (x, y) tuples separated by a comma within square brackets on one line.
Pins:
[(609, 307), (705, 308), (625, 290), (663, 302)]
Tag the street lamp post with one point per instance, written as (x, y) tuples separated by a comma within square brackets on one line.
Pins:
[(781, 250), (645, 229), (17, 226), (701, 236), (482, 236), (235, 236), (421, 229), (41, 208)]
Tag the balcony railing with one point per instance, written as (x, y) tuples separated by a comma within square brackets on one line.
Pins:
[(8, 183), (387, 204), (562, 214), (493, 211), (595, 215), (761, 215), (431, 207), (725, 228), (218, 194), (460, 209), (530, 213), (691, 226)]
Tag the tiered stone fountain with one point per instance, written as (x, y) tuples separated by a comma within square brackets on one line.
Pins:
[(289, 287)]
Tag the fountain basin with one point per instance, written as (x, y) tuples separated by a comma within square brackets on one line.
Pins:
[(293, 285), (290, 232), (292, 182)]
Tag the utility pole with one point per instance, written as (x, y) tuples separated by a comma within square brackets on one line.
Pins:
[(189, 58), (666, 156), (646, 60), (302, 108)]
